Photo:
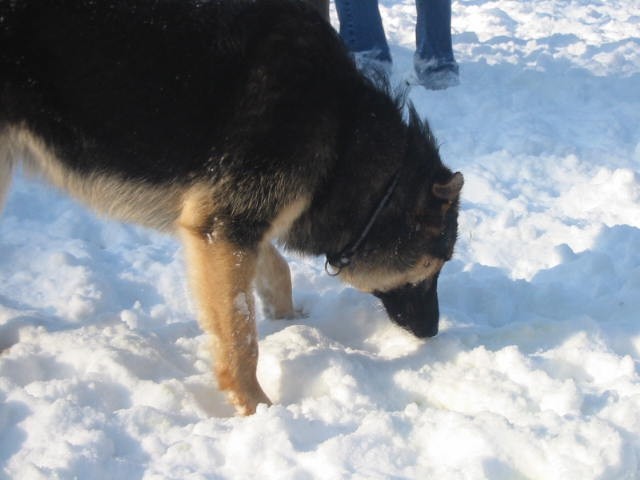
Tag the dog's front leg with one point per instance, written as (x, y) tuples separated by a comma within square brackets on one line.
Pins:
[(221, 275), (273, 282)]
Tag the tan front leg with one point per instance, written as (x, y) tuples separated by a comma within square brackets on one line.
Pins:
[(273, 282), (221, 276)]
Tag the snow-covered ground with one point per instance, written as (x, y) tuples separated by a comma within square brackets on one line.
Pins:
[(104, 372)]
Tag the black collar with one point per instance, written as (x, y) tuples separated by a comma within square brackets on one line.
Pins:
[(343, 258)]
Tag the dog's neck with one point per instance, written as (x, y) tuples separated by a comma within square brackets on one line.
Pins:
[(368, 150), (337, 261)]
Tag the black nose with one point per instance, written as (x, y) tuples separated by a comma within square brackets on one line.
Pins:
[(414, 307)]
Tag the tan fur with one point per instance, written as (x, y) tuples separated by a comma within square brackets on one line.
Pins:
[(221, 276), (382, 280), (286, 217), (6, 166), (273, 283), (151, 206)]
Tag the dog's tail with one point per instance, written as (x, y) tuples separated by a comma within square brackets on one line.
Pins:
[(7, 163)]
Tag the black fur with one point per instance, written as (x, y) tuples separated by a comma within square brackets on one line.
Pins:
[(261, 94), (410, 302)]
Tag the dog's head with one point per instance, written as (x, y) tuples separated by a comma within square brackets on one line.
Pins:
[(413, 237)]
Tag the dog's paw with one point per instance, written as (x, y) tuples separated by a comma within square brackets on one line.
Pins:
[(246, 404), (289, 314)]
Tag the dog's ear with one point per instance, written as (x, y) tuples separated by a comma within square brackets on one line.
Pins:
[(450, 190)]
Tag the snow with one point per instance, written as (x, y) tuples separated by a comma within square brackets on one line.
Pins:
[(104, 372)]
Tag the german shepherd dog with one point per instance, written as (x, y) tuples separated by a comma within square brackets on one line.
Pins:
[(232, 124)]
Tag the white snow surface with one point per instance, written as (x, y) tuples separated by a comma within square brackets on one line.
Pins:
[(104, 372)]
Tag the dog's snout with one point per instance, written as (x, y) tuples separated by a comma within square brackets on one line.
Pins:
[(414, 307)]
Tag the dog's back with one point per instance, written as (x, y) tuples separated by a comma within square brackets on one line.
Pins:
[(161, 99), (108, 113)]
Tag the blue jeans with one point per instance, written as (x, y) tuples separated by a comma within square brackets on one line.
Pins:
[(361, 28), (362, 31)]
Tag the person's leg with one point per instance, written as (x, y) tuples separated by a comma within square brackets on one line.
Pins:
[(361, 28), (434, 62)]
